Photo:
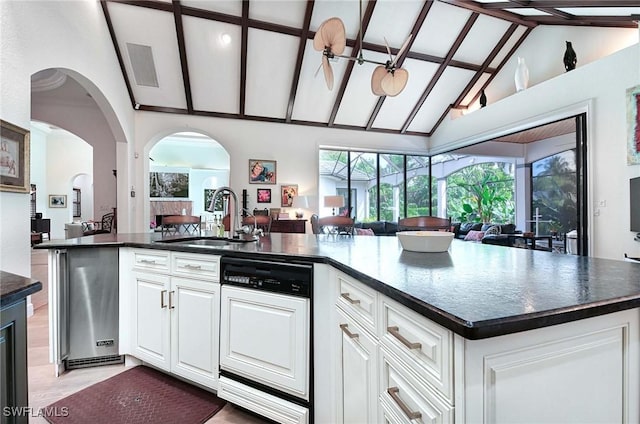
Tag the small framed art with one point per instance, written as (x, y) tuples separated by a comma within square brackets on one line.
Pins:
[(264, 195), (262, 171), (14, 162), (287, 193), (57, 200)]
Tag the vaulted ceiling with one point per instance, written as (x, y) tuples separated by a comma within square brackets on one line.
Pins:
[(255, 59)]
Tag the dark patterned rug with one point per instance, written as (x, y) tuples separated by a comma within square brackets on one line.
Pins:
[(138, 395)]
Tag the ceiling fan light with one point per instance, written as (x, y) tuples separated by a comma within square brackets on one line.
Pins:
[(376, 80), (393, 83)]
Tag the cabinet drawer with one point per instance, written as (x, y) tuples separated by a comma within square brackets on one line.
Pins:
[(196, 265), (151, 259), (404, 399), (359, 301), (424, 346)]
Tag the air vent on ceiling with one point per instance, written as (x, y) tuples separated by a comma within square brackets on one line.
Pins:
[(144, 70)]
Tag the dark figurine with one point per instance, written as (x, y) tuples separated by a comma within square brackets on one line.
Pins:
[(483, 99), (570, 58)]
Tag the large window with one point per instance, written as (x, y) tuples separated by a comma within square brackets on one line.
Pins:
[(554, 192), (77, 203)]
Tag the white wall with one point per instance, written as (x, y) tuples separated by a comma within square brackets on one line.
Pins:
[(37, 35), (598, 89)]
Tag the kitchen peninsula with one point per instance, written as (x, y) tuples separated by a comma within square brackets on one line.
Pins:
[(477, 334)]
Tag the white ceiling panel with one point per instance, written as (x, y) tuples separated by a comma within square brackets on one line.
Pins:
[(483, 36), (347, 10), (528, 12), (517, 34), (385, 14), (271, 60), (602, 11), (394, 110), (440, 29), (126, 23), (314, 101), (446, 91), (214, 64), (229, 7), (283, 12)]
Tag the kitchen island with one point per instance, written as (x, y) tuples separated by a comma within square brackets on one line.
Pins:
[(502, 330)]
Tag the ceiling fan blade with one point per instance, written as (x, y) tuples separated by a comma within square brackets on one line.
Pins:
[(328, 72), (393, 83), (331, 33), (318, 70), (376, 79), (386, 43), (402, 49)]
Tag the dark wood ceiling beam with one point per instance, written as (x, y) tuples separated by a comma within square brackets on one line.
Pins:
[(116, 48), (560, 3), (452, 51), (244, 40), (182, 49), (480, 8), (354, 53), (298, 68), (488, 81), (414, 32), (599, 21)]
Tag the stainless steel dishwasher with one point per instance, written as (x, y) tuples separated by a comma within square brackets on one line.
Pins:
[(88, 310)]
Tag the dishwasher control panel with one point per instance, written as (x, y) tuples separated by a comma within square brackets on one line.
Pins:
[(277, 277)]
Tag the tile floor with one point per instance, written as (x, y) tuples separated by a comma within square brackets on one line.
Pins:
[(45, 388)]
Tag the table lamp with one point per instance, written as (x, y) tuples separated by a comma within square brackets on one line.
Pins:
[(300, 203), (333, 202)]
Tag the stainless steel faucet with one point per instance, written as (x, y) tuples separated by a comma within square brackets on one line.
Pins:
[(256, 231), (236, 220)]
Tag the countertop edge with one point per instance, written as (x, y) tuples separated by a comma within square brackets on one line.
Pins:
[(21, 287)]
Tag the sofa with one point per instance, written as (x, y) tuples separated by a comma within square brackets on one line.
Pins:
[(379, 228), (487, 233)]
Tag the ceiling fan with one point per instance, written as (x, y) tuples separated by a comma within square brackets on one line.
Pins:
[(387, 79)]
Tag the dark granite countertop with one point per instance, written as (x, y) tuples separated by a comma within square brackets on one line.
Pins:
[(14, 288), (476, 290)]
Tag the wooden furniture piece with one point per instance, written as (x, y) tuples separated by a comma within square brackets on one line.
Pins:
[(530, 241), (428, 223), (289, 226), (180, 224), (262, 222), (41, 225), (36, 238), (342, 225)]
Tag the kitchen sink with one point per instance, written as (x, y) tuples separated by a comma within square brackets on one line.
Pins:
[(206, 241)]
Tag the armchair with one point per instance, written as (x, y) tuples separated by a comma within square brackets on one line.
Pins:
[(343, 224), (432, 223)]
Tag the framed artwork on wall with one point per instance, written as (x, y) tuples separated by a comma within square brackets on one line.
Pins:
[(287, 192), (262, 171), (14, 158), (264, 195), (57, 200), (168, 184), (633, 125)]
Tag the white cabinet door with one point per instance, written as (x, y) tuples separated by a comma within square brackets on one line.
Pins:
[(265, 336), (359, 388), (151, 331), (195, 308)]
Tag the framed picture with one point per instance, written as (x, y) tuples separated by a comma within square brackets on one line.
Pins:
[(262, 171), (633, 125), (264, 195), (57, 200), (287, 192), (14, 159), (168, 184)]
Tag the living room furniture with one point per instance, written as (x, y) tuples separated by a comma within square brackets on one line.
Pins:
[(36, 238), (429, 223), (180, 224), (379, 228), (261, 222), (41, 225), (530, 241), (289, 226), (341, 225)]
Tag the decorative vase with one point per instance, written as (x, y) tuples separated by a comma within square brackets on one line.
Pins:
[(522, 75), (483, 99), (570, 59)]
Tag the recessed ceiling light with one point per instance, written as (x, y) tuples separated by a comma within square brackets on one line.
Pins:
[(225, 39)]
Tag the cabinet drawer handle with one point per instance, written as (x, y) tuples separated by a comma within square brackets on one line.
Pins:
[(171, 305), (148, 261), (348, 299), (395, 332), (345, 330), (412, 415), (189, 266), (162, 304)]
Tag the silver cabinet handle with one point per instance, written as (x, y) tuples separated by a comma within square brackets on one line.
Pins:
[(189, 266), (148, 261), (171, 305), (395, 332), (412, 415), (348, 299), (162, 304), (345, 330)]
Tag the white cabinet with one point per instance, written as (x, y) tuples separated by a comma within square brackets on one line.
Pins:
[(175, 309)]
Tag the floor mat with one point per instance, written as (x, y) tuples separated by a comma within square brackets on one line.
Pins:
[(138, 395)]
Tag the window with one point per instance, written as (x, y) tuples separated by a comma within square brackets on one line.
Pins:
[(77, 203), (33, 200)]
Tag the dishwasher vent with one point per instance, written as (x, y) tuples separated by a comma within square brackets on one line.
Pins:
[(71, 364)]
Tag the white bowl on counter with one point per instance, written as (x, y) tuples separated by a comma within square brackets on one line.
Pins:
[(425, 241)]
